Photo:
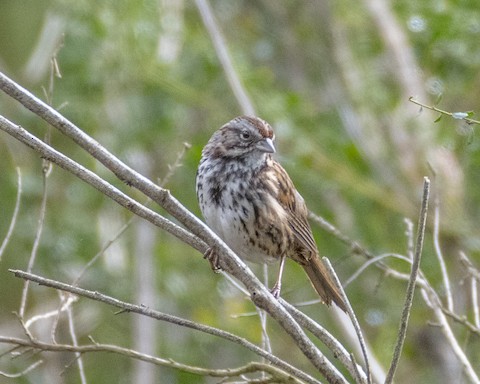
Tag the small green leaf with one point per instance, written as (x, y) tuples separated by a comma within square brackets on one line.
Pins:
[(438, 119)]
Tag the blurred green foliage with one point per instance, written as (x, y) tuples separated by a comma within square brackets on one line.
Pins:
[(142, 78)]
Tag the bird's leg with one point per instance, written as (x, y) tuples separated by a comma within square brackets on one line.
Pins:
[(211, 255), (278, 284)]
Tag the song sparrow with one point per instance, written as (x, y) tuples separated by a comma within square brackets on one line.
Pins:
[(249, 201)]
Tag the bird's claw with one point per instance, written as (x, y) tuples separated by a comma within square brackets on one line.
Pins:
[(212, 256), (275, 291)]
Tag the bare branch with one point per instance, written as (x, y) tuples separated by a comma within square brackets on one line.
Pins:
[(322, 334), (429, 295), (432, 299), (101, 185), (228, 260), (172, 168), (277, 374), (471, 270), (402, 332), (441, 260), (373, 261), (474, 294), (143, 310), (353, 318), (24, 372), (456, 115), (65, 305), (462, 320), (78, 355), (474, 276), (38, 235)]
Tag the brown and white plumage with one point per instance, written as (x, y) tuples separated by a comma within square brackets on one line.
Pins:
[(249, 200)]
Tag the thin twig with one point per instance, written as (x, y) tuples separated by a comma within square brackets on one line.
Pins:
[(334, 231), (326, 338), (143, 310), (432, 299), (279, 375), (409, 232), (474, 295), (12, 351), (23, 373), (47, 315), (471, 270), (462, 320), (178, 163), (441, 260), (73, 336), (36, 243), (357, 248), (373, 261), (456, 115), (13, 221), (412, 282), (353, 318), (266, 344)]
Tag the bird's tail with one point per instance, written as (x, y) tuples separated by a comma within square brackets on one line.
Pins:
[(323, 282)]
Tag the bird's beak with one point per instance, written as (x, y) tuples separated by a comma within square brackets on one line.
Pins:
[(266, 145)]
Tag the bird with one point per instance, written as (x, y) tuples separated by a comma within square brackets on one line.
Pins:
[(248, 199)]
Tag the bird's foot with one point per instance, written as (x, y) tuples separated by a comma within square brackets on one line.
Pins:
[(212, 256), (275, 291)]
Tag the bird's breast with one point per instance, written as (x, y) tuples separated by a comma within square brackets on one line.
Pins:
[(247, 217)]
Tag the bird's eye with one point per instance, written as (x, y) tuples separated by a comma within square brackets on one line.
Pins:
[(245, 135)]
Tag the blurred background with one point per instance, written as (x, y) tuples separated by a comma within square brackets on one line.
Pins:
[(332, 77)]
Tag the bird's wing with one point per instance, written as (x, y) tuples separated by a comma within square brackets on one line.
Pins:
[(297, 214)]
